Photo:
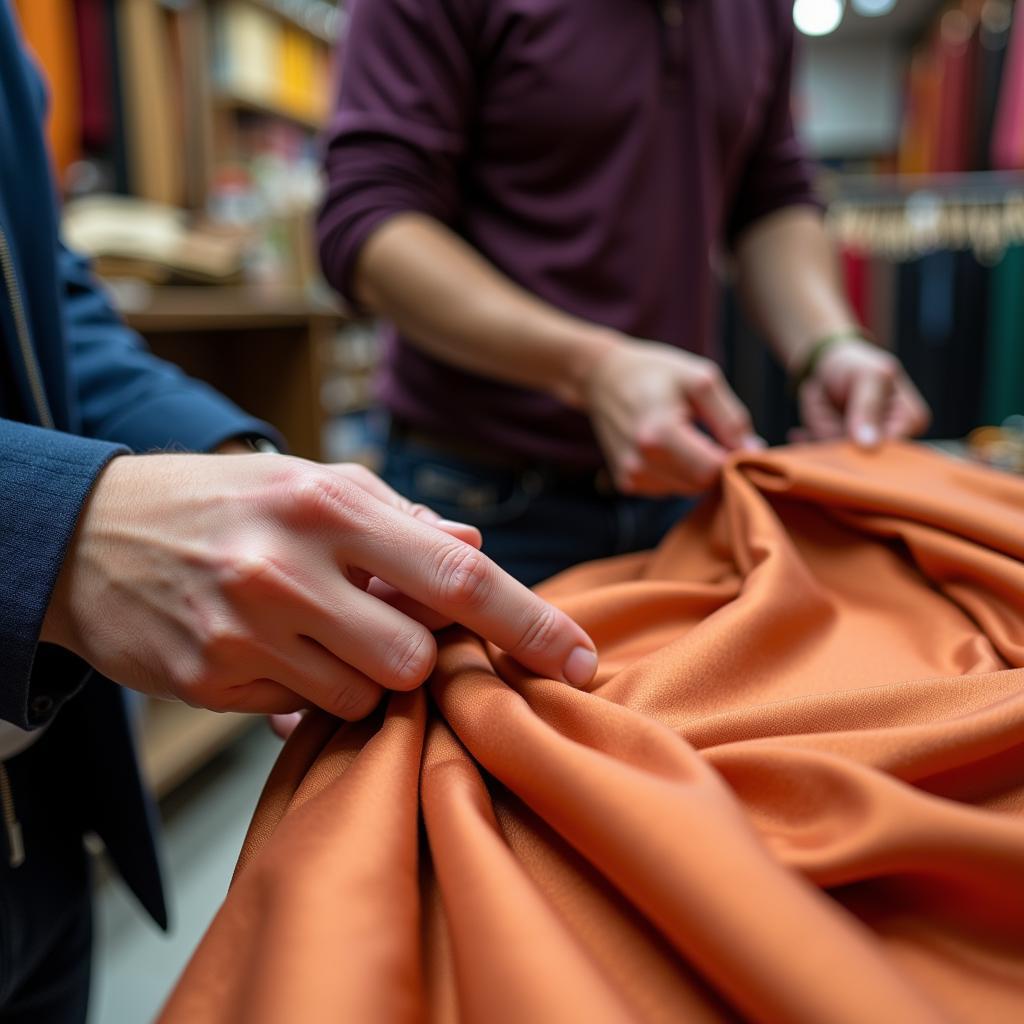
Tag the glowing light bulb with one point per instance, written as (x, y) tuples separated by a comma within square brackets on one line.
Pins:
[(873, 8), (817, 17)]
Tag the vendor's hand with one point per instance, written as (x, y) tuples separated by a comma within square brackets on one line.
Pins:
[(257, 583), (645, 401), (860, 391)]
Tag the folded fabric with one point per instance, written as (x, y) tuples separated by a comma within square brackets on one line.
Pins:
[(794, 793)]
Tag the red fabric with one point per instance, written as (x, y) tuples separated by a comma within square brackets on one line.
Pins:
[(795, 793), (1008, 138), (856, 276)]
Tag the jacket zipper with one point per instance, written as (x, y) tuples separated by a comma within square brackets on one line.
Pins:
[(28, 356), (15, 840), (15, 837)]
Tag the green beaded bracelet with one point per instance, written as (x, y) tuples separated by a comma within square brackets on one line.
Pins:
[(818, 350)]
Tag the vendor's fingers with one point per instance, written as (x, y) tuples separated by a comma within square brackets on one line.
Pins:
[(715, 404), (694, 459), (461, 584), (636, 474), (908, 414), (407, 606), (866, 406), (819, 414)]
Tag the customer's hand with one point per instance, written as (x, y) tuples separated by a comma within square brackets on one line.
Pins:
[(267, 583), (860, 391), (646, 400)]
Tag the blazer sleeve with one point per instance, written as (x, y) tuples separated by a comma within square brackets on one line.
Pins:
[(45, 478), (124, 393)]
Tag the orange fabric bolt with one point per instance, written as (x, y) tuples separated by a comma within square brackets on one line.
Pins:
[(795, 793)]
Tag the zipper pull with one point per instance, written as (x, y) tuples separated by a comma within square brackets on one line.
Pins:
[(15, 838), (15, 843)]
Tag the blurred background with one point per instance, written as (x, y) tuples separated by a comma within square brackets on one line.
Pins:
[(184, 135)]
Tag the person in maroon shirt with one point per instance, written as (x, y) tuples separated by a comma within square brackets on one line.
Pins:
[(535, 195)]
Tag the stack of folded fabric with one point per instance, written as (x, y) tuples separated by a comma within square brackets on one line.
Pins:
[(794, 793)]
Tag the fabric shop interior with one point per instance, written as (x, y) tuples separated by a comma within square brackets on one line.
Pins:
[(706, 319)]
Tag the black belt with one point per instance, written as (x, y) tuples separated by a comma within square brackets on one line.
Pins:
[(559, 475)]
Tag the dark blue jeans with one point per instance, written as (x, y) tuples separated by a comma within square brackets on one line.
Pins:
[(536, 521)]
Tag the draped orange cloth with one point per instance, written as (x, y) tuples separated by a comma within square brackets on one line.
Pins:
[(795, 792)]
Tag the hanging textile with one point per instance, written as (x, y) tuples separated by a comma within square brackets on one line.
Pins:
[(795, 792)]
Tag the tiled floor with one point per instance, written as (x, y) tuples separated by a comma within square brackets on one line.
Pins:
[(205, 822)]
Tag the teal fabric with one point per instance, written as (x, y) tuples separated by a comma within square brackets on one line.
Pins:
[(1004, 364)]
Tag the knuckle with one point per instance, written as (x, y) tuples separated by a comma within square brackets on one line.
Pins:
[(705, 377), (626, 481), (464, 577), (324, 498), (221, 638), (540, 632), (244, 568), (358, 474), (412, 659)]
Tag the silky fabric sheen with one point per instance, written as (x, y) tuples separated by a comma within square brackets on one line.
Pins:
[(795, 791)]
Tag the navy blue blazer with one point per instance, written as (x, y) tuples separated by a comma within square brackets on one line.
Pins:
[(77, 388)]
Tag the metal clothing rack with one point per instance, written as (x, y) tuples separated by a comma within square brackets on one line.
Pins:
[(902, 216)]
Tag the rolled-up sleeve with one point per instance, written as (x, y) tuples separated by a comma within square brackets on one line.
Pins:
[(400, 126), (777, 172)]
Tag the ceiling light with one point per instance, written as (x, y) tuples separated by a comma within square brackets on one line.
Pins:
[(817, 17), (873, 8)]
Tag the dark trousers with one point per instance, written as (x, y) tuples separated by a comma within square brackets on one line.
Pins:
[(536, 520), (45, 904)]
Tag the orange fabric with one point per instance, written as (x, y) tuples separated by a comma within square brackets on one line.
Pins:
[(796, 792), (49, 30)]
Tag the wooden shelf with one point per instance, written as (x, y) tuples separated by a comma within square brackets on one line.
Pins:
[(248, 105), (177, 740), (166, 309), (325, 35)]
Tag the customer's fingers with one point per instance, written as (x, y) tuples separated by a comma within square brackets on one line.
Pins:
[(315, 600), (463, 585), (407, 606), (324, 681), (284, 725), (373, 484), (387, 646)]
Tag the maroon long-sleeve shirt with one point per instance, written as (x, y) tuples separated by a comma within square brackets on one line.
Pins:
[(598, 152)]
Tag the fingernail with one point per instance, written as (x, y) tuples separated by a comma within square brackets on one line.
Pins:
[(866, 435), (580, 667), (451, 524), (753, 443)]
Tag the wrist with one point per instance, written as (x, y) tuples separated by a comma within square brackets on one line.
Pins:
[(58, 626), (586, 351), (802, 365)]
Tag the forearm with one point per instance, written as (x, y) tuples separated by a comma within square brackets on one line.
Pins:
[(790, 285), (447, 299)]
